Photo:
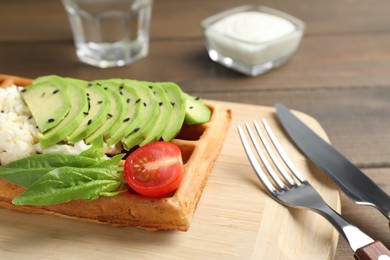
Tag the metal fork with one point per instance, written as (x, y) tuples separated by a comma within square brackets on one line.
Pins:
[(295, 191)]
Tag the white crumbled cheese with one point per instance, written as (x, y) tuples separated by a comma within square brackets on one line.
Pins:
[(18, 130), (18, 133), (76, 148)]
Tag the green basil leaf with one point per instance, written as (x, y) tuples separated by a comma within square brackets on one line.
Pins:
[(111, 163), (27, 171), (69, 183), (95, 151)]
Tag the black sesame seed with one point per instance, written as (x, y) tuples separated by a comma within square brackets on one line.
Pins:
[(191, 107), (87, 94), (154, 93), (138, 100), (160, 104), (99, 84), (55, 91), (89, 84), (24, 90), (120, 92), (85, 113), (2, 111), (197, 98), (29, 117), (89, 121), (105, 88), (100, 102), (136, 130), (128, 100), (50, 120), (150, 87), (173, 104), (43, 94), (109, 115), (121, 86), (144, 104), (126, 119)]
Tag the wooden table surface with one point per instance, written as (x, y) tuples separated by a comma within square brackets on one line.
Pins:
[(340, 74)]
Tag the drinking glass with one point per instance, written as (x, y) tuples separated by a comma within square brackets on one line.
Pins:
[(109, 33)]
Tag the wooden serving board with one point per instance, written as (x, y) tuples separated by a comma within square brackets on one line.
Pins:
[(235, 218)]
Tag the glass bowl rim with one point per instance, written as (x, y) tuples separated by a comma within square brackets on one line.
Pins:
[(209, 21)]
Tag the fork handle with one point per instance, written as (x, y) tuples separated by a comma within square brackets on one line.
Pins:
[(372, 251), (365, 247)]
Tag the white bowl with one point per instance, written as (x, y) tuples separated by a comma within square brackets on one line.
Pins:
[(252, 39)]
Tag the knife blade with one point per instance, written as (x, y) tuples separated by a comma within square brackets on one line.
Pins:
[(351, 180)]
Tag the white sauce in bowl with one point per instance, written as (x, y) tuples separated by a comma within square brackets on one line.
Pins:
[(252, 41), (253, 27)]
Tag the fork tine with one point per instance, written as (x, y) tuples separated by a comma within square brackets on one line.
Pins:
[(267, 165), (281, 151), (275, 160), (252, 158)]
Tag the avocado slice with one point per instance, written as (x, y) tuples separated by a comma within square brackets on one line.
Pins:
[(178, 101), (196, 111), (165, 113), (72, 120), (115, 115), (134, 110), (150, 103), (48, 102), (98, 107), (121, 110), (47, 78)]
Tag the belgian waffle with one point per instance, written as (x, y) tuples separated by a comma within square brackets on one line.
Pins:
[(200, 146)]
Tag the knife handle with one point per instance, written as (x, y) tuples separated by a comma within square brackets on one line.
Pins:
[(372, 251)]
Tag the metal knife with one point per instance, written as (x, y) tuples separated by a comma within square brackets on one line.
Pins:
[(353, 182)]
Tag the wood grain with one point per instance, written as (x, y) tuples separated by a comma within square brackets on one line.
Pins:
[(174, 19), (355, 119), (235, 218), (325, 63)]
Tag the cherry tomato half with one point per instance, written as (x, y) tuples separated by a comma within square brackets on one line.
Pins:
[(154, 170)]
